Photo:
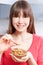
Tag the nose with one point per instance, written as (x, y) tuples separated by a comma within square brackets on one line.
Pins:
[(20, 20)]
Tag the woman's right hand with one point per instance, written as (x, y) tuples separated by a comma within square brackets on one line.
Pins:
[(6, 41), (3, 43)]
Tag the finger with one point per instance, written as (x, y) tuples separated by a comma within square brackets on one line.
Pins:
[(13, 57), (25, 58), (17, 59)]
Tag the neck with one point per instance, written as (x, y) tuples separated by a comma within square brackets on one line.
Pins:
[(21, 34)]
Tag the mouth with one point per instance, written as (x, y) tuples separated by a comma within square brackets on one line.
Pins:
[(21, 26)]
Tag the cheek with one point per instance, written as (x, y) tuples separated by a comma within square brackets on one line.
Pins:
[(27, 23), (15, 21)]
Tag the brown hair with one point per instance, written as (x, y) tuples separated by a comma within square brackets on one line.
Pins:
[(27, 11)]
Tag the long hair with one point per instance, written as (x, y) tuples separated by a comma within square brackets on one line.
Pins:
[(27, 11)]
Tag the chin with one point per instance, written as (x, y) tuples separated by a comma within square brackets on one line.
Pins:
[(20, 30)]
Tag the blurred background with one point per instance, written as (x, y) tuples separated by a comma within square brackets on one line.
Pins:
[(37, 7)]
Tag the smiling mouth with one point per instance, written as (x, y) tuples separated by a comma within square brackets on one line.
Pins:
[(20, 26)]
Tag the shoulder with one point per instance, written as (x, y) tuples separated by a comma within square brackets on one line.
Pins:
[(38, 39)]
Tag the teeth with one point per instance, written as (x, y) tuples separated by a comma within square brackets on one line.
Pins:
[(20, 25)]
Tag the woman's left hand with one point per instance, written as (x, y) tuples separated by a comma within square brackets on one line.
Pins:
[(25, 58)]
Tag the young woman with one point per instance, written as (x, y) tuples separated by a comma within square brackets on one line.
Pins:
[(21, 35)]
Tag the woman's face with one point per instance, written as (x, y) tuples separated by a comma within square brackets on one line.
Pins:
[(21, 23)]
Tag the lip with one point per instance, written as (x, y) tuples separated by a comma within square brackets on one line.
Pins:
[(20, 26)]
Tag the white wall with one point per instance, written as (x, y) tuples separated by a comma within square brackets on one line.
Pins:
[(39, 28), (30, 1)]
